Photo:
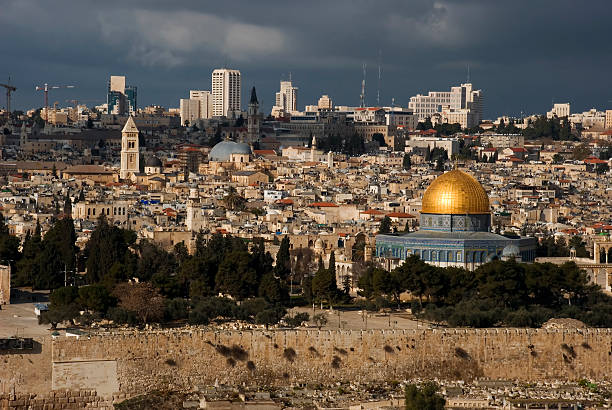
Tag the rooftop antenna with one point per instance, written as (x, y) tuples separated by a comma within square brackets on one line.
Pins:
[(468, 73), (392, 102), (363, 81), (289, 76), (379, 77)]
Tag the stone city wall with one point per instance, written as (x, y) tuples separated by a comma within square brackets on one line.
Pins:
[(64, 399), (183, 359), (26, 371)]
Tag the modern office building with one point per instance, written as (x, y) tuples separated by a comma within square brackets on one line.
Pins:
[(206, 104), (190, 111), (226, 89), (121, 99), (199, 105), (325, 103), (286, 98), (463, 97), (559, 110)]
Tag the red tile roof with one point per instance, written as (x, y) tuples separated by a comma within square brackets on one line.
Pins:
[(400, 215), (323, 205), (264, 152), (372, 212), (593, 160)]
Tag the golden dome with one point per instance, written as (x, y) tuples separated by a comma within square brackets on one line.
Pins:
[(455, 192)]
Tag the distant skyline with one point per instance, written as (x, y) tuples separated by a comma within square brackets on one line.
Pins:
[(523, 54)]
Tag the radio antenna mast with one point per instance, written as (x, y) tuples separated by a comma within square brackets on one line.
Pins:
[(379, 77), (363, 81)]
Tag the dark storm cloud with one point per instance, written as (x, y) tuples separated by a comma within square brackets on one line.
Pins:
[(522, 54)]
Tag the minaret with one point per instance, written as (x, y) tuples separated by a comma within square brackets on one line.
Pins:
[(313, 147), (330, 159), (253, 120), (23, 135), (130, 157)]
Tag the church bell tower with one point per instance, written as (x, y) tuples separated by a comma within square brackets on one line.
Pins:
[(254, 118), (130, 157)]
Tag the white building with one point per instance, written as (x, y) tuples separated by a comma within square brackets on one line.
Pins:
[(325, 103), (206, 102), (559, 111), (130, 157), (400, 118), (463, 116), (458, 98), (451, 145), (286, 98), (589, 119), (502, 140), (226, 89), (190, 111), (370, 115)]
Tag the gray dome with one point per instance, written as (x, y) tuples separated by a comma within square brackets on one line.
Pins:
[(153, 162), (223, 150), (511, 250)]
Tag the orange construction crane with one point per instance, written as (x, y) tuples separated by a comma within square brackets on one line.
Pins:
[(9, 90), (46, 87)]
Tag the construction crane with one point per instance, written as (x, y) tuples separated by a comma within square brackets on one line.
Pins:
[(45, 88), (9, 90)]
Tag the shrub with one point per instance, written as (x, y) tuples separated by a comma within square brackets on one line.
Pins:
[(425, 397), (121, 316), (176, 309), (320, 320), (297, 320)]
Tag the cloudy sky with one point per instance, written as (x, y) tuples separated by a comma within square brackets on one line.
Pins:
[(522, 53)]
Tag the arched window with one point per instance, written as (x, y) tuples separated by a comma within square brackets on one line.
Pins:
[(449, 256)]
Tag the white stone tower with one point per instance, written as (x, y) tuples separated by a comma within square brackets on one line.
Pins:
[(23, 136), (313, 147), (130, 157)]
